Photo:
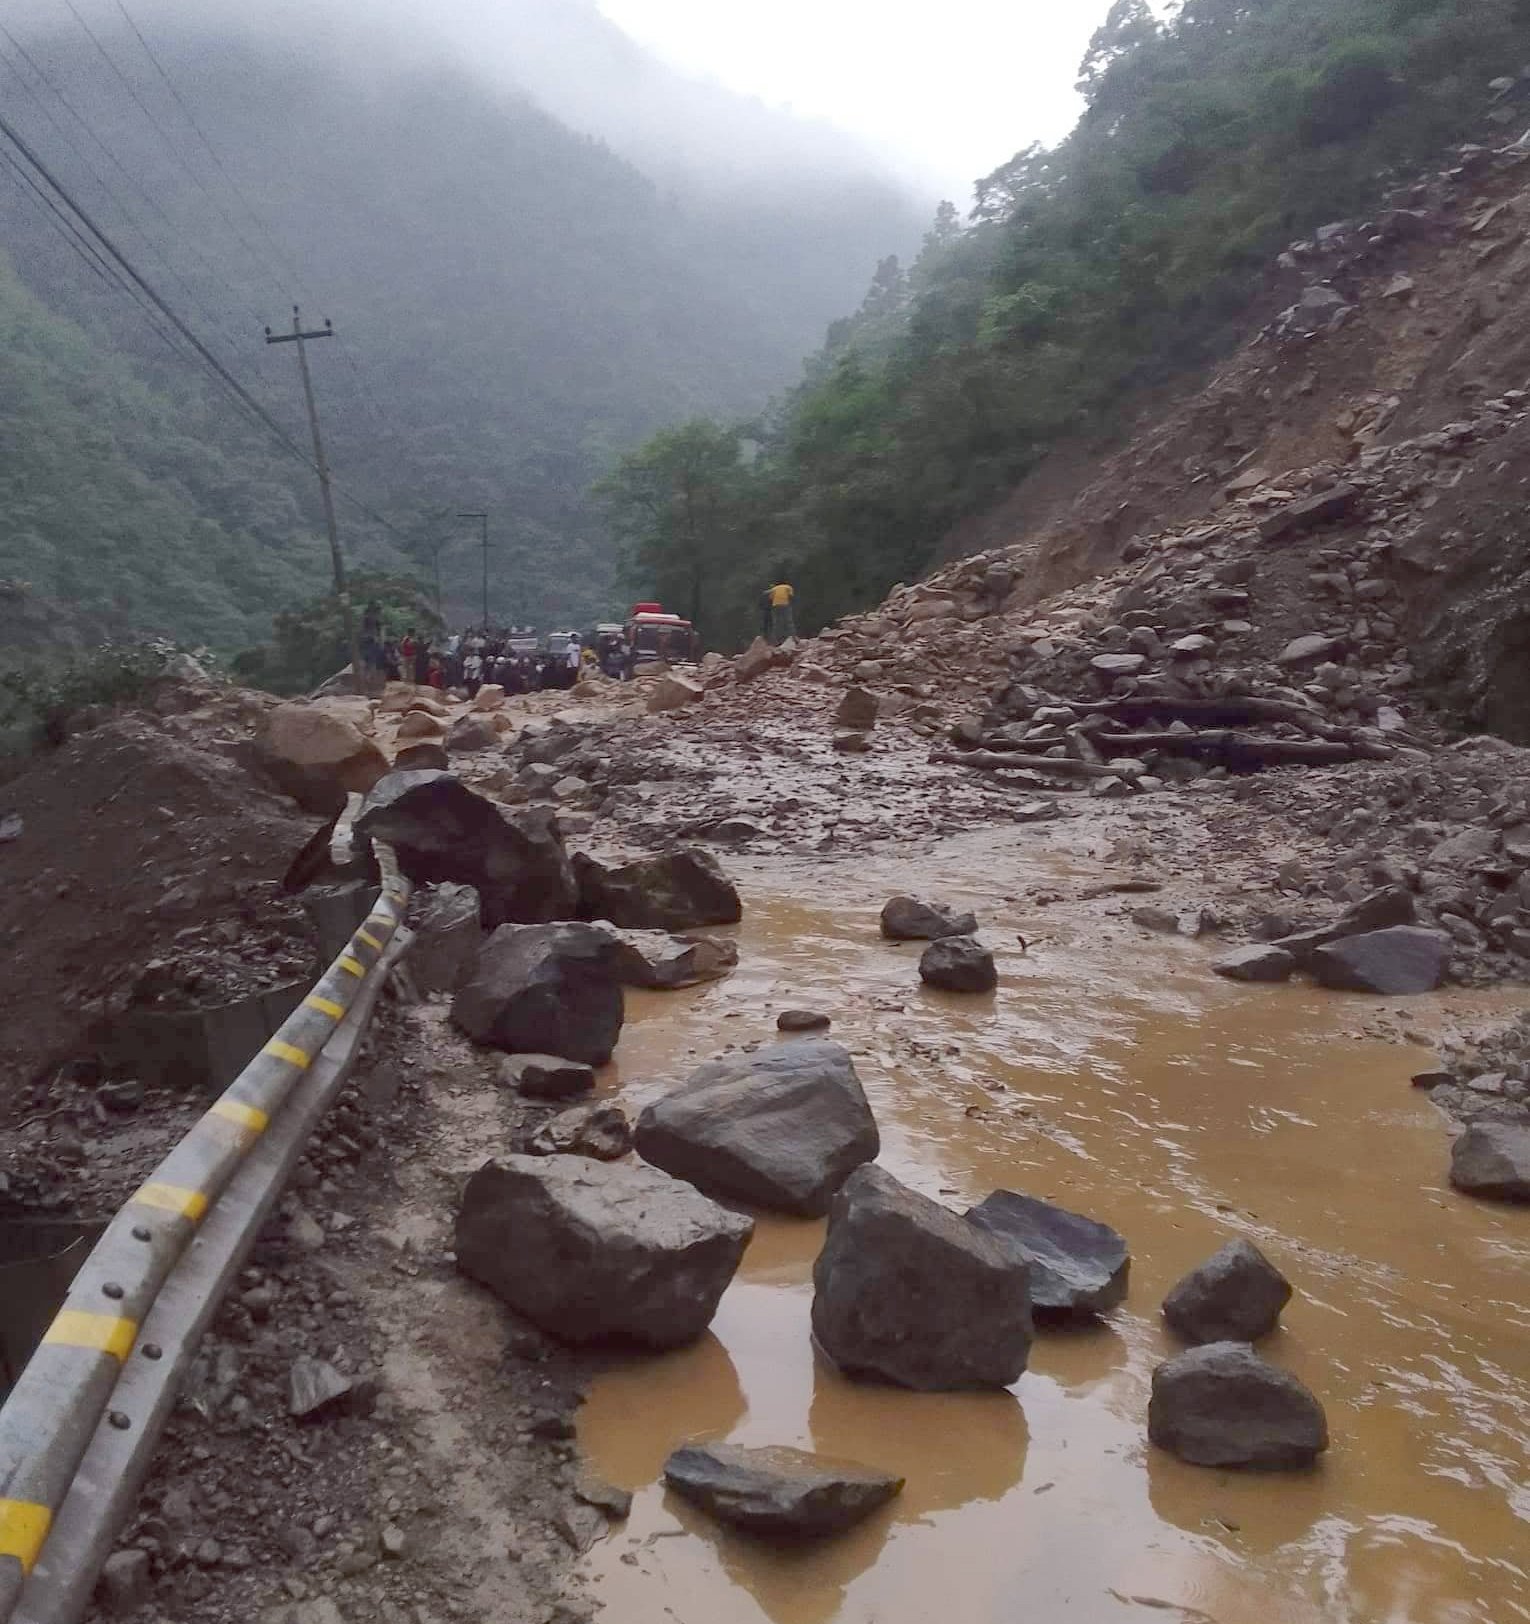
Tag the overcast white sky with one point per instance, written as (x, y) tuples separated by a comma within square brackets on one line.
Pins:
[(945, 89)]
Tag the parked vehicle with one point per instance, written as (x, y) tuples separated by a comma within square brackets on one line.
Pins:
[(660, 638)]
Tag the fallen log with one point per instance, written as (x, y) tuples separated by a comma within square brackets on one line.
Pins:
[(1230, 711), (1239, 750), (1059, 766)]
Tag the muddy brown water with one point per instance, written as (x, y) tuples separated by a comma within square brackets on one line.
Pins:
[(1116, 1075)]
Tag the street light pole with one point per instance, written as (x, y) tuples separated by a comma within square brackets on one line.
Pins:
[(483, 524)]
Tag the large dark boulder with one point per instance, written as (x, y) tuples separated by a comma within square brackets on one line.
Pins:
[(1493, 1159), (1404, 959), (959, 964), (548, 1077), (677, 890), (907, 919), (1236, 1295), (544, 989), (1266, 963), (1078, 1267), (778, 1492), (1222, 1405), (448, 937), (781, 1128), (442, 830), (909, 1292), (1391, 905), (598, 1252)]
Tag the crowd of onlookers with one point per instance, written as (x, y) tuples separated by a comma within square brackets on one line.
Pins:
[(503, 655)]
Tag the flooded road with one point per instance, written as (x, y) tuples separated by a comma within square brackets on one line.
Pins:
[(1114, 1074)]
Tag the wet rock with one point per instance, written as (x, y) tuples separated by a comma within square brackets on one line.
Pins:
[(447, 937), (597, 1252), (1236, 1295), (755, 661), (1152, 917), (421, 724), (1401, 960), (674, 692), (125, 1582), (315, 1388), (857, 710), (852, 744), (959, 964), (655, 959), (602, 1132), (544, 989), (615, 1503), (470, 734), (1391, 905), (908, 1292), (802, 1020), (548, 1077), (781, 1128), (784, 1493), (1492, 1159), (425, 757), (316, 757), (1222, 1405), (1078, 1266), (1260, 963), (678, 890), (907, 919), (441, 830)]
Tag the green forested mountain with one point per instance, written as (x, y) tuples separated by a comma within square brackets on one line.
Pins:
[(1088, 273), (516, 302)]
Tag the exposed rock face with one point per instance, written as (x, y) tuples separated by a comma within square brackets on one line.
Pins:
[(1266, 964), (959, 964), (1222, 1405), (678, 890), (781, 1128), (907, 919), (674, 692), (548, 1077), (786, 1493), (441, 830), (316, 757), (544, 989), (1236, 1295), (906, 1291), (1493, 1159), (601, 1132), (1404, 959), (447, 938), (655, 959), (1078, 1267), (594, 1252)]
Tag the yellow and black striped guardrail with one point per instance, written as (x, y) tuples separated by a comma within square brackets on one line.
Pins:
[(60, 1397)]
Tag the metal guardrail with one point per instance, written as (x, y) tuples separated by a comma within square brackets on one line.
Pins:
[(67, 1390)]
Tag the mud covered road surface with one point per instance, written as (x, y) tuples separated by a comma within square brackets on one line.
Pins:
[(1119, 1077)]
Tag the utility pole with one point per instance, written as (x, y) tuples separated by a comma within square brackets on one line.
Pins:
[(483, 524), (342, 589)]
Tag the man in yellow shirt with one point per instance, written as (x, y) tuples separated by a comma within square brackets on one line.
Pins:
[(782, 624)]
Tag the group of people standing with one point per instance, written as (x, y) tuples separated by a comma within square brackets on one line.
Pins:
[(469, 660)]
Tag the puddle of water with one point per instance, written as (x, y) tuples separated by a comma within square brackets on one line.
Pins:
[(1117, 1077)]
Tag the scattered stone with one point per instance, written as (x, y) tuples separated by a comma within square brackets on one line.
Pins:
[(1266, 963), (601, 1132), (678, 890), (547, 1077), (778, 1492), (314, 1388), (1236, 1295), (1308, 650), (1119, 665), (615, 1503), (424, 757), (125, 1582), (1222, 1405), (674, 692), (802, 1020), (857, 710), (1396, 962), (908, 1292), (596, 1252), (907, 919), (959, 964), (544, 989), (490, 697), (470, 734), (852, 744), (780, 1128), (1078, 1266), (317, 757), (655, 959), (1152, 917), (1492, 1159)]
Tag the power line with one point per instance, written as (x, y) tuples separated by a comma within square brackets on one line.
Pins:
[(221, 372)]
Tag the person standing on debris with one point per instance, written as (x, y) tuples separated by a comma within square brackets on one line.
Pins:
[(573, 657), (783, 623)]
